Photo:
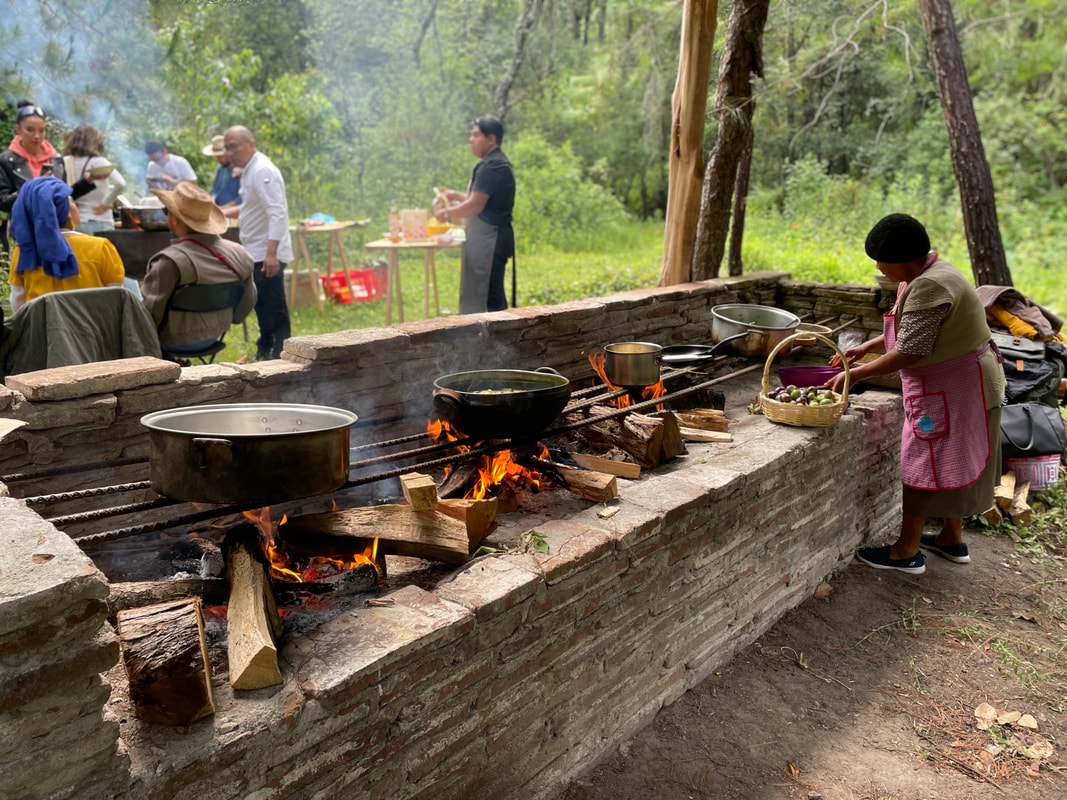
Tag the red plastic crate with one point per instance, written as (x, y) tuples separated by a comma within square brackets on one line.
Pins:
[(366, 285)]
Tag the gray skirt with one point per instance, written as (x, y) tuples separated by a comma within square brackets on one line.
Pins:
[(970, 500)]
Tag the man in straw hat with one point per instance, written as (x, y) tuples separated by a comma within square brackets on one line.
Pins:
[(198, 254), (227, 186)]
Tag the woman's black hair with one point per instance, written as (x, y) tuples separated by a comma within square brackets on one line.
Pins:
[(27, 108), (490, 126)]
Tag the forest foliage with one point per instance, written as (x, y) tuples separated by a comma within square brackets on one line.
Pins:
[(364, 101)]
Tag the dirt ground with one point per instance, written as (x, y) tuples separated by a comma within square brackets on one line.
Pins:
[(871, 694)]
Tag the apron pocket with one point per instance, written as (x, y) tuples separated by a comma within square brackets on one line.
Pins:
[(928, 416)]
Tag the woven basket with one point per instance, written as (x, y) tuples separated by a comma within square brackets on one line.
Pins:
[(803, 416)]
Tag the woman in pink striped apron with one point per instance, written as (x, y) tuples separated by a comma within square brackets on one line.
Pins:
[(937, 338)]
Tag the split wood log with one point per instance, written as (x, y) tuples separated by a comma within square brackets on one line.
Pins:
[(697, 435), (993, 515), (673, 444), (478, 515), (419, 490), (216, 591), (166, 659), (135, 594), (1005, 490), (400, 530), (706, 419), (621, 469), (596, 486), (252, 621), (1019, 510), (639, 435)]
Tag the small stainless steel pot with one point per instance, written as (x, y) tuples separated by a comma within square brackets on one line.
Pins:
[(632, 364), (248, 452)]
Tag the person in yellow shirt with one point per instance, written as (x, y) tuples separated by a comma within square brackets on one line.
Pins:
[(53, 257)]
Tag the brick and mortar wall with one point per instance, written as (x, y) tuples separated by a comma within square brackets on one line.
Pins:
[(507, 679)]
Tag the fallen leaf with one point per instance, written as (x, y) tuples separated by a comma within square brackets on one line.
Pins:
[(993, 749), (793, 769), (928, 601), (956, 743), (1008, 717), (1042, 749), (823, 590), (1034, 768), (1027, 618), (983, 726), (986, 712), (1026, 721), (986, 758), (42, 558)]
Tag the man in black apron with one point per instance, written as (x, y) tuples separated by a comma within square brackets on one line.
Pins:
[(487, 207)]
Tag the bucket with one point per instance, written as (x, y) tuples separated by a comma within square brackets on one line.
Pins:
[(1041, 471)]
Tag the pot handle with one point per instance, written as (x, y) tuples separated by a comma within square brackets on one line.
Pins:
[(547, 371), (448, 404), (213, 452), (733, 338)]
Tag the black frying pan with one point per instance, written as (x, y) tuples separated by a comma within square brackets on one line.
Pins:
[(694, 353)]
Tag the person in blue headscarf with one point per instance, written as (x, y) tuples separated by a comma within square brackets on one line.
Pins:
[(50, 255)]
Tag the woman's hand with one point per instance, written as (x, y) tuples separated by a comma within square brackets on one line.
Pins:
[(836, 383), (854, 354), (100, 209), (441, 215)]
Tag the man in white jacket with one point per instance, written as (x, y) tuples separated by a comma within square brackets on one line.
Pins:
[(264, 219)]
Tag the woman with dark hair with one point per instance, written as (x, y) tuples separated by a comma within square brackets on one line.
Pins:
[(29, 156), (487, 206), (86, 144), (937, 338)]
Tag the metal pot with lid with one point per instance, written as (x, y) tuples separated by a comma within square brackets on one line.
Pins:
[(248, 452)]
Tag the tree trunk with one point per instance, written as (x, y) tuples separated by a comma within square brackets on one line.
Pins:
[(522, 33), (688, 106), (988, 262), (742, 56), (737, 233)]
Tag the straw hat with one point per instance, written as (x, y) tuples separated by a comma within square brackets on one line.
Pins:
[(193, 206), (216, 147)]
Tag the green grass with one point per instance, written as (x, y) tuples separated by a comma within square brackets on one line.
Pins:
[(805, 249)]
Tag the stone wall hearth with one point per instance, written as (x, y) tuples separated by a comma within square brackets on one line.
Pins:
[(508, 676)]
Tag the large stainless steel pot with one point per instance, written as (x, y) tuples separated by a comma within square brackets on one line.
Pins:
[(248, 452), (632, 365), (766, 326), (501, 403)]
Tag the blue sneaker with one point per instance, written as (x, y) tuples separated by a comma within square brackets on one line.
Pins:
[(879, 558), (956, 553)]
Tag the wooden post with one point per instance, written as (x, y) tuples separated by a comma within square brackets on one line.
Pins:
[(688, 106)]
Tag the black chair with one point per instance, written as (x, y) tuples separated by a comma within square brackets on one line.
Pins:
[(202, 297)]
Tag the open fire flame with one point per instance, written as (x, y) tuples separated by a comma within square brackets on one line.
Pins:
[(625, 401), (288, 568), (498, 473)]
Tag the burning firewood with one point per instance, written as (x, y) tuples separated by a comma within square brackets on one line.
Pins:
[(459, 480), (252, 622), (400, 530), (166, 659), (419, 490)]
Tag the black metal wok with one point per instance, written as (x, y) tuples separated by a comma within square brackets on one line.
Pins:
[(501, 403)]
